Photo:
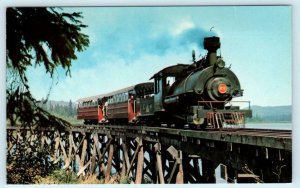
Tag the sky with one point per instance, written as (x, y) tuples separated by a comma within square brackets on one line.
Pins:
[(130, 44)]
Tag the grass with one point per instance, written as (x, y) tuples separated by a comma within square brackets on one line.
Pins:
[(69, 177)]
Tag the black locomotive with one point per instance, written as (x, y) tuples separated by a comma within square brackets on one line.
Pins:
[(197, 94)]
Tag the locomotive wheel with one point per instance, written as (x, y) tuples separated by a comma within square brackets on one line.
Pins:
[(197, 120)]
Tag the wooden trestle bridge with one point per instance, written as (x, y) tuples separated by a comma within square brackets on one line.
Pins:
[(165, 155)]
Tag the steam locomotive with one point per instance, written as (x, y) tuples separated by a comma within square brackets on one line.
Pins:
[(198, 95)]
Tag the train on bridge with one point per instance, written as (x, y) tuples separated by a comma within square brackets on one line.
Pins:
[(198, 94)]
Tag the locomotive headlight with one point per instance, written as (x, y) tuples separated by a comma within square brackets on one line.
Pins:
[(219, 88), (222, 88), (220, 63)]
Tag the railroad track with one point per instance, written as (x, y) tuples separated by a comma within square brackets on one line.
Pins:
[(261, 132), (243, 131), (234, 131)]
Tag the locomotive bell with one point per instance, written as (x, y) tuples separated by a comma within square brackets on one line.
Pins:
[(220, 63), (212, 44)]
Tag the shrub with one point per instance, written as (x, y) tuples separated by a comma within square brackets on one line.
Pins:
[(26, 164)]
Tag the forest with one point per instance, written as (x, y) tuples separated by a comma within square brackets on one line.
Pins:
[(62, 109)]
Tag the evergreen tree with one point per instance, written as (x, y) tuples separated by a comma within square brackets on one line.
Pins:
[(50, 106), (70, 109), (38, 36)]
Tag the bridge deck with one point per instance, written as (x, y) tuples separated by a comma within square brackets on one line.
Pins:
[(277, 139)]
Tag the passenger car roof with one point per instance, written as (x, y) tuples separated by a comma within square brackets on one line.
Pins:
[(138, 89)]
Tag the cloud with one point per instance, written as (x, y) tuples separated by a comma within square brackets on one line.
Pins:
[(194, 35), (112, 74), (185, 25), (130, 33), (135, 44)]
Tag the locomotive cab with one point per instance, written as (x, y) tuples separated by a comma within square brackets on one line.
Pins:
[(164, 81)]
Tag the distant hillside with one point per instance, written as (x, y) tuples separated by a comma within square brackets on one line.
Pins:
[(62, 109), (271, 113)]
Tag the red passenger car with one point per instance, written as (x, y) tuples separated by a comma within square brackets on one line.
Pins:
[(122, 106)]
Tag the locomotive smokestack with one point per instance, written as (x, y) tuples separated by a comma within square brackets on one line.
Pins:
[(212, 44)]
